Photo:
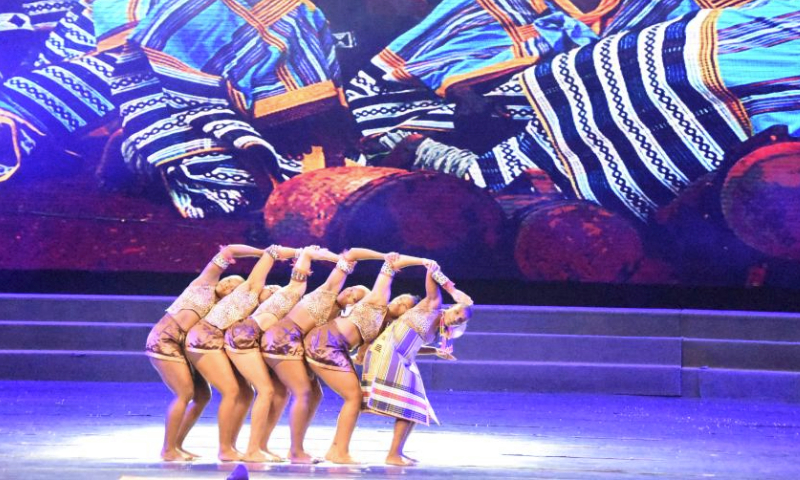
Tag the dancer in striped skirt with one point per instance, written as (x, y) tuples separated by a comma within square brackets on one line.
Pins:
[(327, 347), (391, 382)]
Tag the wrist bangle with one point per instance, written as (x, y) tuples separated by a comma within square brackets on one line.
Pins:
[(220, 261), (440, 278), (345, 266), (299, 276), (387, 269), (273, 251), (297, 253)]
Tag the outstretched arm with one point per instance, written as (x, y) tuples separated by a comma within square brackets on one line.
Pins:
[(226, 256)]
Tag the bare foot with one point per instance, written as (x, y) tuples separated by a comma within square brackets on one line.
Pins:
[(303, 458), (412, 460), (399, 460), (230, 455), (188, 454), (173, 456), (341, 458), (261, 456)]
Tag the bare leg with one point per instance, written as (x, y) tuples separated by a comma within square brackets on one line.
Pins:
[(293, 374), (252, 367), (279, 401), (316, 398), (178, 378), (202, 395), (243, 402), (402, 429), (347, 386), (216, 368)]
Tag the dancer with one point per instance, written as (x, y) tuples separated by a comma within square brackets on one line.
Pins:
[(391, 382), (327, 350), (243, 342), (165, 347), (205, 349), (282, 344)]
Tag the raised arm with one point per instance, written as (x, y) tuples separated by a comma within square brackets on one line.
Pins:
[(382, 289), (258, 275), (404, 261), (433, 296), (448, 286), (357, 254), (226, 256), (345, 264)]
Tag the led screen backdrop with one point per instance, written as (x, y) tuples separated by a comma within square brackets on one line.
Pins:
[(623, 141)]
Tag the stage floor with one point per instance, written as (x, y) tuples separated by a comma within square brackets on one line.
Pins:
[(87, 431)]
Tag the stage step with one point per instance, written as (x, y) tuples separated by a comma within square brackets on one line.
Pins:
[(475, 375), (511, 348)]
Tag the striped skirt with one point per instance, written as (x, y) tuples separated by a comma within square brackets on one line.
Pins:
[(391, 383), (632, 120)]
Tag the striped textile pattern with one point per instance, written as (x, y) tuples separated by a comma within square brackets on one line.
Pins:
[(630, 121), (277, 57), (759, 61), (46, 14), (479, 43), (391, 383)]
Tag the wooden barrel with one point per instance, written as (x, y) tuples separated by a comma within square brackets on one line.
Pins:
[(418, 213), (761, 199), (571, 240)]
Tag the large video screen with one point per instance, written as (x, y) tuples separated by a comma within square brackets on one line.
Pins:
[(620, 142)]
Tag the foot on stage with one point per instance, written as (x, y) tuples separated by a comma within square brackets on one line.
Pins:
[(341, 458), (188, 454), (262, 456), (303, 458), (400, 461), (230, 456), (175, 456)]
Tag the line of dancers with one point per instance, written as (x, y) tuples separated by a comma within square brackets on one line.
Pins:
[(259, 344)]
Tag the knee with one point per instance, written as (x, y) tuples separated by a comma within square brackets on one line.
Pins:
[(232, 390), (302, 396), (353, 398), (265, 392), (185, 396)]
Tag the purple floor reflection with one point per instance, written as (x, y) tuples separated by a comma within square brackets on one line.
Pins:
[(82, 430)]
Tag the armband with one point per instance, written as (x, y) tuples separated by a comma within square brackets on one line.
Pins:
[(387, 269), (440, 278), (273, 251), (220, 261), (345, 266), (299, 276)]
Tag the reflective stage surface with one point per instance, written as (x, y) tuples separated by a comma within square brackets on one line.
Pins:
[(87, 431)]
